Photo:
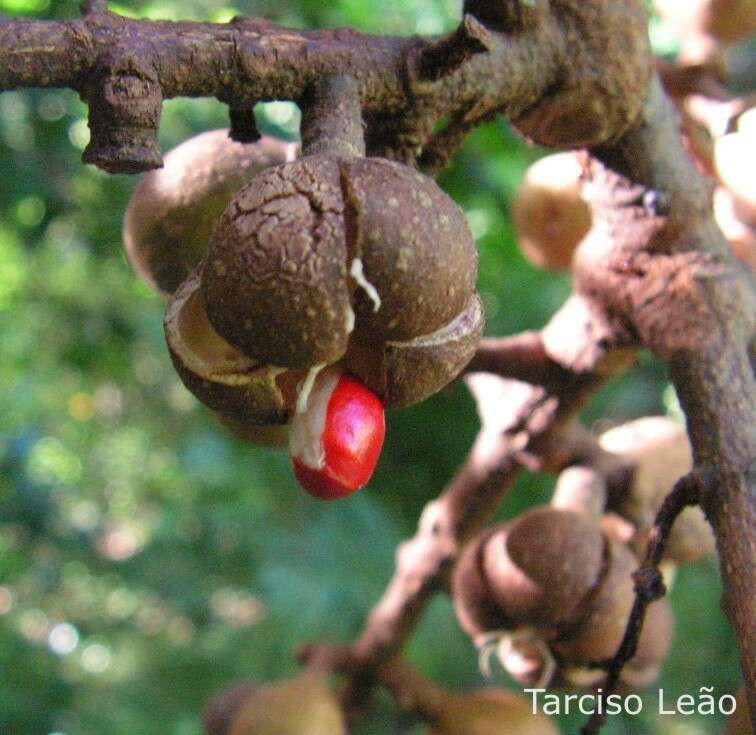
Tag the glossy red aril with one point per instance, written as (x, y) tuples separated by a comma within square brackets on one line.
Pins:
[(336, 440)]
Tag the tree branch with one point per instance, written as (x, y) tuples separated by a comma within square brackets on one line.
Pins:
[(656, 260), (114, 61)]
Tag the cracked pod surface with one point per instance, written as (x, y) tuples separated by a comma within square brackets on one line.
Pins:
[(172, 210), (364, 260)]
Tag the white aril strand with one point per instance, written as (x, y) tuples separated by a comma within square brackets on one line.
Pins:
[(308, 424)]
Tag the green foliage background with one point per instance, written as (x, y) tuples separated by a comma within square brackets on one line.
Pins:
[(146, 558)]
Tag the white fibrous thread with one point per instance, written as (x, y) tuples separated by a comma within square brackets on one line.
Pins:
[(306, 387), (358, 274), (349, 319), (308, 424)]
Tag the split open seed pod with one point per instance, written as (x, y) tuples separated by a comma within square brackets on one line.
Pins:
[(361, 260), (735, 160), (304, 705), (246, 392), (726, 20), (487, 712), (172, 210), (273, 435), (541, 572), (549, 213), (659, 448)]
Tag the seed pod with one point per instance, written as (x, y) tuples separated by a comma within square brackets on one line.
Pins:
[(544, 545), (241, 389), (732, 220), (553, 574), (548, 212), (276, 435), (725, 20), (603, 87), (172, 210), (318, 260), (403, 373), (659, 448), (301, 706), (487, 712)]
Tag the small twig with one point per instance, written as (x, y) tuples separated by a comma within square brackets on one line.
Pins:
[(649, 587)]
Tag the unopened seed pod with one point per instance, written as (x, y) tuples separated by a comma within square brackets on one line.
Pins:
[(541, 546), (301, 706), (735, 159), (555, 574), (549, 214), (725, 20), (735, 226), (659, 448), (356, 260), (487, 712), (172, 210)]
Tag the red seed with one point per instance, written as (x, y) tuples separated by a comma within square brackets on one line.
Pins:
[(352, 441)]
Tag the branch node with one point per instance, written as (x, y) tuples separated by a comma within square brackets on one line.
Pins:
[(124, 117), (440, 58)]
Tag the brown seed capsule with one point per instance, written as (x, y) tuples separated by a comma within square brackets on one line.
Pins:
[(725, 20), (225, 380), (172, 210), (487, 712), (403, 373), (548, 212), (301, 706), (549, 562), (562, 589), (732, 220), (361, 260), (276, 435), (735, 161), (602, 89), (659, 448)]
